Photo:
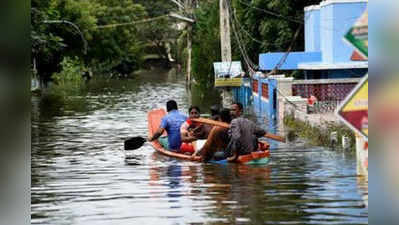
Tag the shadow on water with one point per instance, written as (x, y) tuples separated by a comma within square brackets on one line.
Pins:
[(82, 175)]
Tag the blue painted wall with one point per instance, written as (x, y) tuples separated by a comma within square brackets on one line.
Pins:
[(265, 107), (325, 27), (335, 21), (264, 103), (257, 98), (326, 33), (268, 61), (344, 17), (312, 30), (243, 94)]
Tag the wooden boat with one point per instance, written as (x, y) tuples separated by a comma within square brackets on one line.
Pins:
[(154, 120)]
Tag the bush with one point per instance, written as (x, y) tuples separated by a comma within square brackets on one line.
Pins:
[(70, 80), (319, 135)]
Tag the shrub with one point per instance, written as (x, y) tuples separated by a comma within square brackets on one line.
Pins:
[(69, 80)]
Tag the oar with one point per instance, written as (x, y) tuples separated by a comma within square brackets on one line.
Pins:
[(226, 125), (134, 143)]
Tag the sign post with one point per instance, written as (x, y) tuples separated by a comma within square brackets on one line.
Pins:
[(353, 111), (228, 74), (358, 35)]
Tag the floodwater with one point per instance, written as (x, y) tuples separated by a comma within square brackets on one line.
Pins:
[(81, 174)]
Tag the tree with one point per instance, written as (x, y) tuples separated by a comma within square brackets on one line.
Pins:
[(107, 47), (116, 41), (206, 42), (270, 25)]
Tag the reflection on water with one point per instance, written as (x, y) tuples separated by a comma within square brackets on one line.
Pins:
[(81, 174), (204, 97)]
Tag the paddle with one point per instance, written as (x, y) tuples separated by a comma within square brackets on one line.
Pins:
[(226, 125), (134, 143)]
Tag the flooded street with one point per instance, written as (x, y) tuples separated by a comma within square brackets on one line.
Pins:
[(80, 173)]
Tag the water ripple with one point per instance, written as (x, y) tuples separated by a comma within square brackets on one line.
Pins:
[(82, 175)]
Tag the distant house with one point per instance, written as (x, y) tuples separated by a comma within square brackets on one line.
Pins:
[(326, 54)]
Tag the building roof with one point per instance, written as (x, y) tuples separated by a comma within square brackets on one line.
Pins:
[(335, 66), (329, 2), (304, 61)]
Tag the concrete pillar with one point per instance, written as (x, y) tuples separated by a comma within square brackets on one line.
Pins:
[(286, 107), (227, 98), (295, 105), (362, 155), (284, 89), (284, 86)]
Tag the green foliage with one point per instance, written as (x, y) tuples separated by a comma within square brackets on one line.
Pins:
[(206, 43), (69, 81), (65, 94), (45, 43), (319, 135), (262, 25), (120, 47), (116, 45), (181, 44), (161, 30), (272, 22)]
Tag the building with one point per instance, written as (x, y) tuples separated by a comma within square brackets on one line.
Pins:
[(326, 55)]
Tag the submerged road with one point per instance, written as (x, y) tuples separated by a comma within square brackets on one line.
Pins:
[(80, 173)]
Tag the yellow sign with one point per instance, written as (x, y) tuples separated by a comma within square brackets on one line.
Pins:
[(229, 82), (228, 74), (353, 111)]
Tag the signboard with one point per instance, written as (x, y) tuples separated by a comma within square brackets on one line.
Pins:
[(358, 35), (353, 111), (228, 74)]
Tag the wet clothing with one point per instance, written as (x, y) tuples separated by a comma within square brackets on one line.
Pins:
[(188, 125), (243, 136), (172, 123), (200, 131), (218, 139)]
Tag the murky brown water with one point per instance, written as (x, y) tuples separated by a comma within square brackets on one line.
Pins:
[(80, 174)]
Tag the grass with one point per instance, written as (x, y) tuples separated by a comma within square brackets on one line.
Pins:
[(319, 135)]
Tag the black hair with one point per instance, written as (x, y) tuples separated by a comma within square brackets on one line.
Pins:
[(171, 105), (239, 105), (194, 107), (225, 115), (215, 110)]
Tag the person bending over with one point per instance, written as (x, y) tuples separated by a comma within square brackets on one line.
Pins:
[(218, 138)]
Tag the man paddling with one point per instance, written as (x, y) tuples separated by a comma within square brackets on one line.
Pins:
[(171, 123)]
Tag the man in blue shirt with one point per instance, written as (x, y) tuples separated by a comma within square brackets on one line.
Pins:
[(171, 123)]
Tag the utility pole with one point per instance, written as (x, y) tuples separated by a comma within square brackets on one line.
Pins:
[(190, 11), (189, 50), (225, 42), (186, 7)]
